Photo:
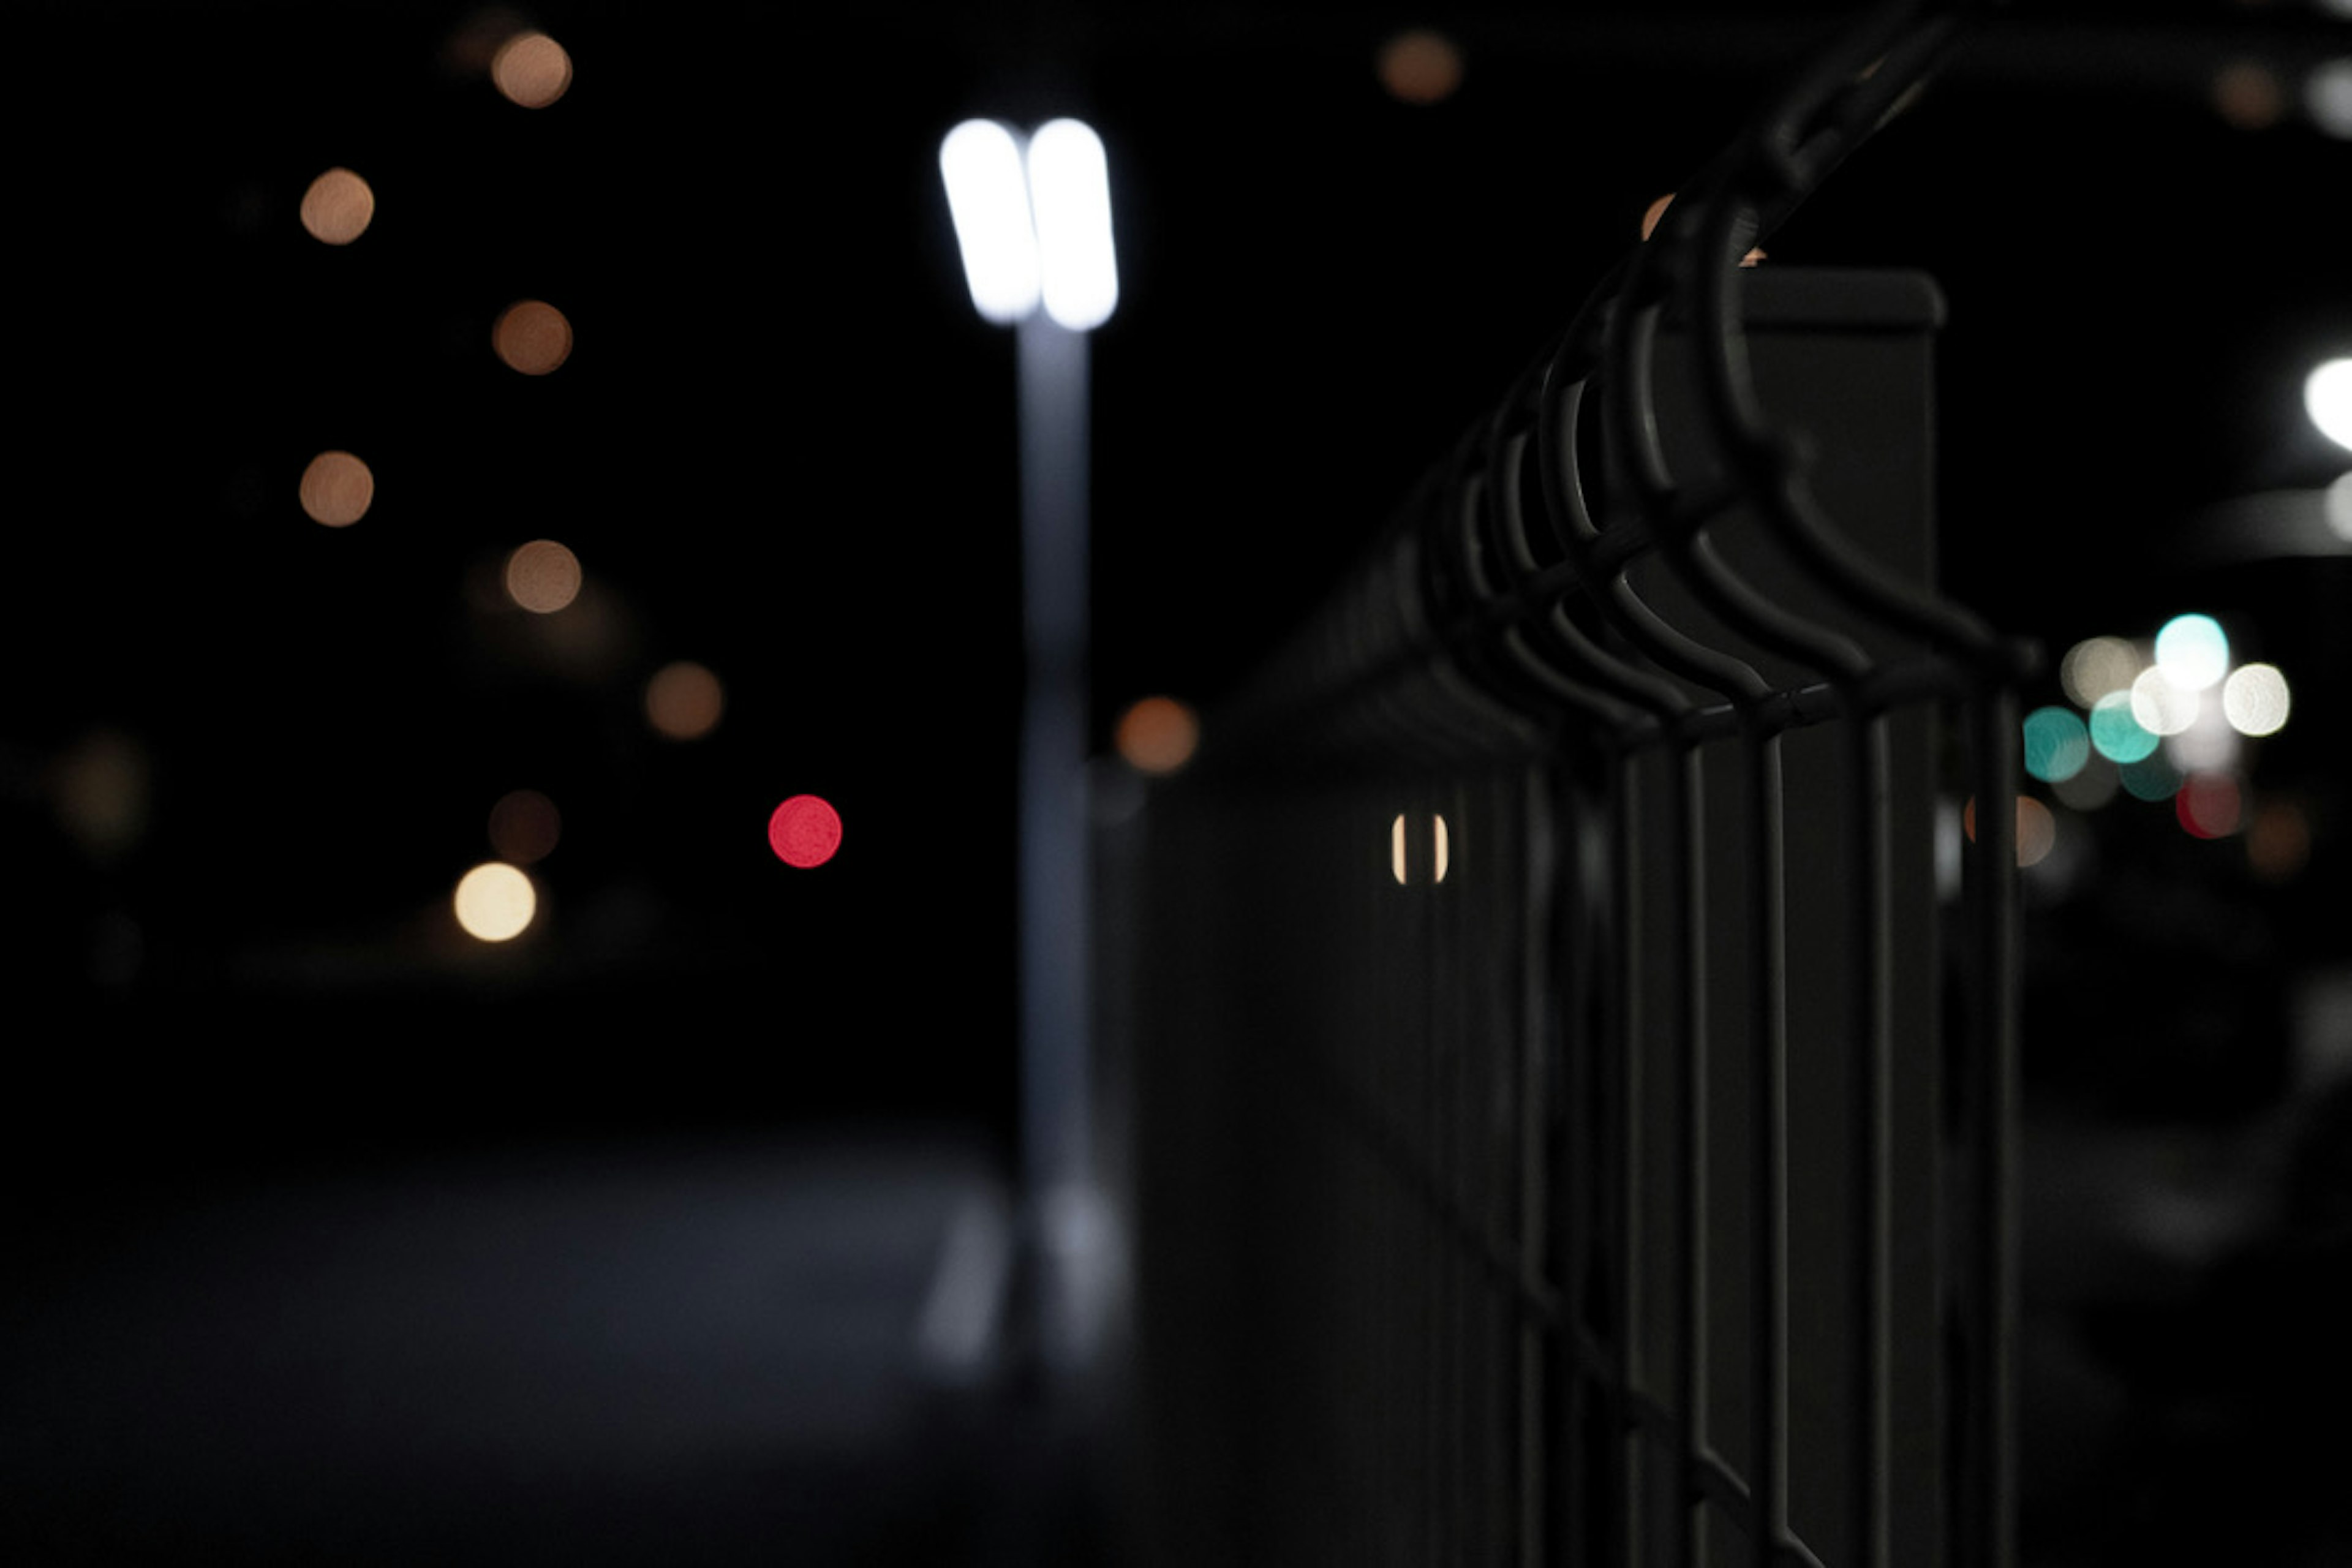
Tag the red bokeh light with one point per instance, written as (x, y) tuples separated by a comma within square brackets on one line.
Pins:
[(805, 831), (2209, 806)]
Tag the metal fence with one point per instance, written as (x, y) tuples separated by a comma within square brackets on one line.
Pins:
[(1564, 1118)]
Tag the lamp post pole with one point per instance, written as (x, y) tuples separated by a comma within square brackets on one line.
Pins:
[(1034, 224)]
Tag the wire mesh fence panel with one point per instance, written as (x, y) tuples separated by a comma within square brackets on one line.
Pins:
[(1567, 1118)]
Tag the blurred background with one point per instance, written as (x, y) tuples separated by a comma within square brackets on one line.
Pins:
[(556, 437)]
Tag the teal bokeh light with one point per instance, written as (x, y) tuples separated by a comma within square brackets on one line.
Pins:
[(2057, 744), (2151, 778), (2119, 736)]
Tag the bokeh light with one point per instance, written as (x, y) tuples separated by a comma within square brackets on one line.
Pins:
[(337, 490), (2095, 667), (2161, 707), (2249, 96), (2057, 744), (2151, 778), (980, 165), (2255, 700), (532, 336), (2327, 398), (1420, 67), (2327, 97), (531, 69), (1156, 736), (102, 787), (1396, 849), (2192, 651), (2278, 840), (2117, 735), (684, 701), (2037, 829), (543, 576), (525, 826), (805, 831), (1441, 844), (2207, 805), (338, 207), (495, 902), (2209, 745), (2337, 504), (1069, 205), (2094, 787)]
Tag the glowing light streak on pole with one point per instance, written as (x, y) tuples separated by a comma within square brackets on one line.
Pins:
[(1033, 225)]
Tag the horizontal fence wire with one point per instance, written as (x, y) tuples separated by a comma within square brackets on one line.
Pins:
[(1551, 1057)]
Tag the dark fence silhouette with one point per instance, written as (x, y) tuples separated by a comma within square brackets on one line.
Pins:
[(1568, 1109)]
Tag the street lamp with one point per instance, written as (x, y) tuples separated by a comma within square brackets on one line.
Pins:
[(1033, 221)]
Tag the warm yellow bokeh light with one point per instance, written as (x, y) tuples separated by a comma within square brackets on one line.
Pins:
[(543, 576), (1396, 849), (495, 902), (684, 701), (1156, 736), (338, 207), (532, 336), (525, 826), (1421, 66), (1444, 848), (531, 69), (337, 490)]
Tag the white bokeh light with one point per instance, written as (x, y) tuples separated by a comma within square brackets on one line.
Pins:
[(2192, 651), (1069, 189), (2162, 708), (495, 902), (2327, 91), (2327, 398), (988, 198), (2338, 504), (2256, 701)]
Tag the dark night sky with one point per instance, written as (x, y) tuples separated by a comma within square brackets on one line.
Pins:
[(784, 447)]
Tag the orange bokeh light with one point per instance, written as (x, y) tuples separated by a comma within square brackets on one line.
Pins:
[(337, 490), (1421, 66), (531, 69), (684, 701), (2278, 841), (532, 337), (338, 207), (1156, 736), (543, 576)]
